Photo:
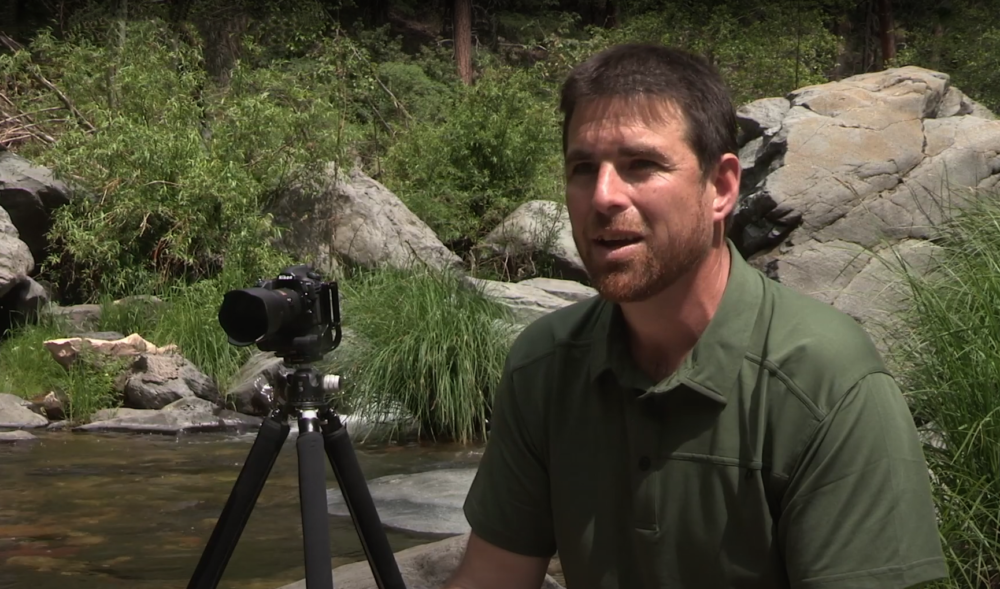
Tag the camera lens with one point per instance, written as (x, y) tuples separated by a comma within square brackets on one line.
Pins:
[(249, 314)]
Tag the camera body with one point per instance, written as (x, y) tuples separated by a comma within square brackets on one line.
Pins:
[(296, 315)]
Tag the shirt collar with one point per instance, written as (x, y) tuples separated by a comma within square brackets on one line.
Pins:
[(713, 364)]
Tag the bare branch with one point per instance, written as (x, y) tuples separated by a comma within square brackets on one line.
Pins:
[(13, 46)]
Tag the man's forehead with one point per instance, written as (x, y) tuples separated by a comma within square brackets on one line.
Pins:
[(621, 110)]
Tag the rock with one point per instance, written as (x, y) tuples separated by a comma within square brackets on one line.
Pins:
[(244, 393), (525, 301), (564, 289), (854, 171), (52, 405), (188, 415), (15, 412), (80, 318), (535, 227), (30, 194), (66, 351), (353, 218), (16, 261), (427, 566), (16, 436), (427, 503), (760, 116), (155, 380)]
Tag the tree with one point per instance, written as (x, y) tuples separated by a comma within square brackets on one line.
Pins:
[(886, 31), (463, 39)]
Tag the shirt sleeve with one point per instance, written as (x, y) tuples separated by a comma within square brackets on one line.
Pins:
[(508, 503), (858, 510)]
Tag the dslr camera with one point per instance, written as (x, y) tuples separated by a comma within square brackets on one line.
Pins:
[(296, 315)]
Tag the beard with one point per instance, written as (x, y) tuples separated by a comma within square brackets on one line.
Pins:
[(655, 264)]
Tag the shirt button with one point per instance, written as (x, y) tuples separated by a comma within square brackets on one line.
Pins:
[(644, 463)]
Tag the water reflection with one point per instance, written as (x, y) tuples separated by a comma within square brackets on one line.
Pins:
[(92, 510)]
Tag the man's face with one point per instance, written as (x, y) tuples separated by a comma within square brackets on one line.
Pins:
[(641, 215)]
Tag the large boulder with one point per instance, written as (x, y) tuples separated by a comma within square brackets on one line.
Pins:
[(539, 227), (16, 261), (349, 217), (185, 415), (30, 194), (16, 412), (154, 381), (851, 179)]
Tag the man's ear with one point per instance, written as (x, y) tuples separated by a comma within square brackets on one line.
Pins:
[(725, 184)]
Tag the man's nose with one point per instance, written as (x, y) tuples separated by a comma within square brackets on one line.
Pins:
[(610, 192)]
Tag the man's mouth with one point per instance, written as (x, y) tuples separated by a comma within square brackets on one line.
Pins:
[(617, 241)]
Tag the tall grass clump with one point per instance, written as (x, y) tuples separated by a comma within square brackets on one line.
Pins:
[(952, 360), (431, 348)]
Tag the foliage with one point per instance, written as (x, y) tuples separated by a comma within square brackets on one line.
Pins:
[(179, 174), (498, 148), (952, 375), (431, 348), (966, 46)]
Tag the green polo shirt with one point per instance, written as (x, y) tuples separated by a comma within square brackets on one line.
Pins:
[(780, 454)]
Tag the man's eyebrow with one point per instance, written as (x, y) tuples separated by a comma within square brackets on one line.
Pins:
[(635, 151), (643, 151)]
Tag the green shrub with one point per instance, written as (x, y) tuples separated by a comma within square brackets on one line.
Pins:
[(429, 347), (497, 148), (952, 375), (179, 173)]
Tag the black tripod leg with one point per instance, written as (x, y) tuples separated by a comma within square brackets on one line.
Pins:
[(315, 519), (234, 517), (361, 506)]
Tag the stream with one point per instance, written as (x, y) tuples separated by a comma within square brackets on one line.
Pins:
[(88, 510)]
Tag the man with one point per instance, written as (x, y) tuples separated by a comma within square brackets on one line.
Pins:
[(697, 425)]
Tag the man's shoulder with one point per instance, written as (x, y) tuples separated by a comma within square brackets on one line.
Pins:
[(572, 326), (815, 346)]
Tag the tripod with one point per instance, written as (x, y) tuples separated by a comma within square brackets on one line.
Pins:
[(320, 430)]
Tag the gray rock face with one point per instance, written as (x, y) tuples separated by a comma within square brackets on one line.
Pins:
[(527, 302), (16, 412), (854, 174), (30, 194), (540, 226), (353, 218), (564, 289), (243, 394), (16, 436), (427, 503), (16, 261), (427, 566), (153, 381), (187, 415)]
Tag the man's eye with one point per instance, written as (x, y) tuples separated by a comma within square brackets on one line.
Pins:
[(643, 164), (583, 168)]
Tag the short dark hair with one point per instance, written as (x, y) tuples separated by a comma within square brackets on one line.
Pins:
[(685, 80)]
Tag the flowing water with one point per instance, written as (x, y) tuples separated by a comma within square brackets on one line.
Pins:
[(86, 510)]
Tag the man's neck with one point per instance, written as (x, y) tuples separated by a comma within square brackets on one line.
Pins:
[(663, 329)]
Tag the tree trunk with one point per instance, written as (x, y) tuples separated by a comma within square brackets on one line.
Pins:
[(611, 14), (463, 39), (886, 29), (222, 36), (8, 17)]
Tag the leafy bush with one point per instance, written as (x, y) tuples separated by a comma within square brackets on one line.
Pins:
[(430, 347), (179, 173), (497, 148)]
